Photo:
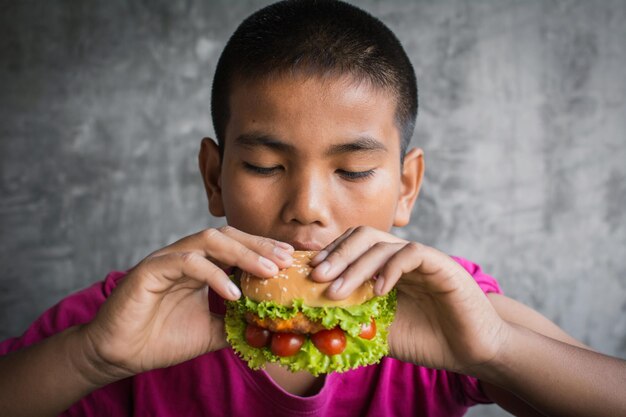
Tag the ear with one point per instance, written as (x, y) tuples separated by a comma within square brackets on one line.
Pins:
[(210, 168), (410, 183)]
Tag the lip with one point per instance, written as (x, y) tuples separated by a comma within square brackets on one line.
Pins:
[(305, 245)]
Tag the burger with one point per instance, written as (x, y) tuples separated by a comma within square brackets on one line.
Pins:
[(288, 319)]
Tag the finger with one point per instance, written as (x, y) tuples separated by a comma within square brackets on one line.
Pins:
[(347, 251), (317, 259), (280, 253), (167, 270), (227, 251), (363, 269), (412, 257), (341, 253), (211, 243)]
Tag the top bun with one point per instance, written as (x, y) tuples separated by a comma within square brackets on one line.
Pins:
[(294, 283)]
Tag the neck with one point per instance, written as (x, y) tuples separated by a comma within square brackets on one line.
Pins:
[(299, 383)]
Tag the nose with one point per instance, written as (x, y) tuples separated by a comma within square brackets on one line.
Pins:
[(306, 200)]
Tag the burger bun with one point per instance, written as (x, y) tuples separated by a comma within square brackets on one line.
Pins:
[(294, 283)]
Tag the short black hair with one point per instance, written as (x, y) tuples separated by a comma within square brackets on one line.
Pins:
[(319, 37)]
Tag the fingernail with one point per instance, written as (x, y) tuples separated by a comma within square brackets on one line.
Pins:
[(233, 290), (336, 286), (281, 254), (378, 286), (285, 246), (324, 267), (269, 265), (320, 256)]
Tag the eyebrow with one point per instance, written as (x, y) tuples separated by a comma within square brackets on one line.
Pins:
[(253, 140), (366, 144)]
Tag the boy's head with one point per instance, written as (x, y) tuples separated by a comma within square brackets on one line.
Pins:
[(314, 104), (323, 38)]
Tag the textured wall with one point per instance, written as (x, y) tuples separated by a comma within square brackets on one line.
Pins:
[(522, 118)]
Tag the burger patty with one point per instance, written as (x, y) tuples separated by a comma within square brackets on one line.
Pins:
[(298, 324)]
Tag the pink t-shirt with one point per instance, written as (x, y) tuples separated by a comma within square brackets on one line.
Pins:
[(220, 384)]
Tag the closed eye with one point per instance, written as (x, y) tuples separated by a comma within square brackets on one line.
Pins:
[(356, 175), (261, 170)]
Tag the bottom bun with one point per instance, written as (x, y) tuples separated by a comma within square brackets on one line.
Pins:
[(358, 351)]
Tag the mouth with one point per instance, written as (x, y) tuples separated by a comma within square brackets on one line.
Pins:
[(306, 245)]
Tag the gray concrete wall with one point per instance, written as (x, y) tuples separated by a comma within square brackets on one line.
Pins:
[(522, 118)]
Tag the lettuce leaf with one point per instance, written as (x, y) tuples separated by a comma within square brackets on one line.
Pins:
[(358, 352)]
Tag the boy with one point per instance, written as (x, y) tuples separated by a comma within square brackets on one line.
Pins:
[(313, 106)]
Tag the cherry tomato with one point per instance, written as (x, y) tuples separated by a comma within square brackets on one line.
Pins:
[(368, 330), (286, 344), (330, 342), (257, 337)]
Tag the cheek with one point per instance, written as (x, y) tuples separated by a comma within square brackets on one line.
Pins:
[(247, 206), (383, 188), (373, 203)]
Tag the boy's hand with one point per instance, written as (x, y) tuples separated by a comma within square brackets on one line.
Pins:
[(159, 314), (444, 320)]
